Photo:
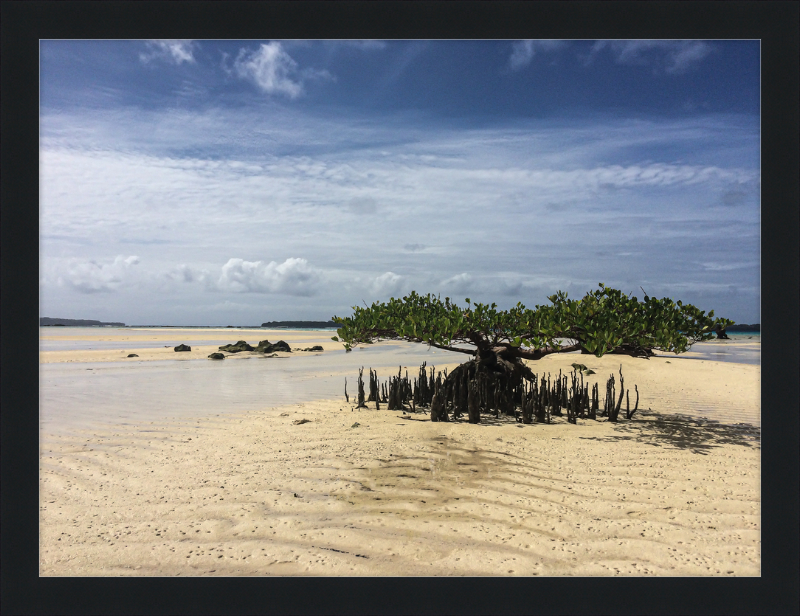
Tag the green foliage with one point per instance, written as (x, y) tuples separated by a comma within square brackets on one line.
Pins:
[(602, 321)]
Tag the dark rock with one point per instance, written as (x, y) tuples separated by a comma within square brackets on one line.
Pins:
[(236, 348), (216, 356), (182, 347), (265, 347), (314, 348), (133, 355), (281, 346), (298, 422)]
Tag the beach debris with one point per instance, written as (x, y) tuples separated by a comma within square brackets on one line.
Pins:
[(355, 425), (133, 355), (297, 422), (284, 414), (346, 397), (236, 348), (216, 356), (182, 347)]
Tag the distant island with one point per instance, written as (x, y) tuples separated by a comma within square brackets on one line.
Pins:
[(49, 322), (743, 327), (289, 324)]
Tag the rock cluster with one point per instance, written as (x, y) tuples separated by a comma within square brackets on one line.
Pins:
[(182, 347), (236, 348), (266, 347)]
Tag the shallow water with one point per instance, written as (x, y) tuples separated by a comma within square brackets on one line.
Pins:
[(78, 395), (738, 351)]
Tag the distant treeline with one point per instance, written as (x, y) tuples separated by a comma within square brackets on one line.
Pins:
[(744, 327), (45, 321), (299, 324)]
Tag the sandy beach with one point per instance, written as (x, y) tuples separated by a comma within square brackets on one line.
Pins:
[(196, 486)]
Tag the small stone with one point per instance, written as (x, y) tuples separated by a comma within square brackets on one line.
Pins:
[(182, 347), (284, 414), (297, 422), (216, 356), (133, 355), (355, 425)]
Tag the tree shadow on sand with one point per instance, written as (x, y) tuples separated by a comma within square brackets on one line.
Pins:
[(698, 435)]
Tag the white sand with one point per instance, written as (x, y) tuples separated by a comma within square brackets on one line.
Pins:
[(254, 494)]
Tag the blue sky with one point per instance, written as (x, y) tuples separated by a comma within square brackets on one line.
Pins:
[(236, 182)]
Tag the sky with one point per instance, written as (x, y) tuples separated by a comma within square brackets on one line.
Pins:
[(238, 182)]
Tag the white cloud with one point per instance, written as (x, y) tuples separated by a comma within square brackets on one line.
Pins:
[(522, 52), (274, 71), (292, 277), (269, 67), (97, 277), (173, 51), (387, 284), (675, 57)]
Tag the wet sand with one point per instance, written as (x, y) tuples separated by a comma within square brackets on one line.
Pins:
[(251, 492)]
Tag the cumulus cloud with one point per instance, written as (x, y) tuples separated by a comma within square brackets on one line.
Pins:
[(97, 277), (274, 71), (172, 51), (292, 277), (387, 284), (522, 52)]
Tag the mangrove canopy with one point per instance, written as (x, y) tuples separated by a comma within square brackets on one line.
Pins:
[(496, 379), (603, 321)]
